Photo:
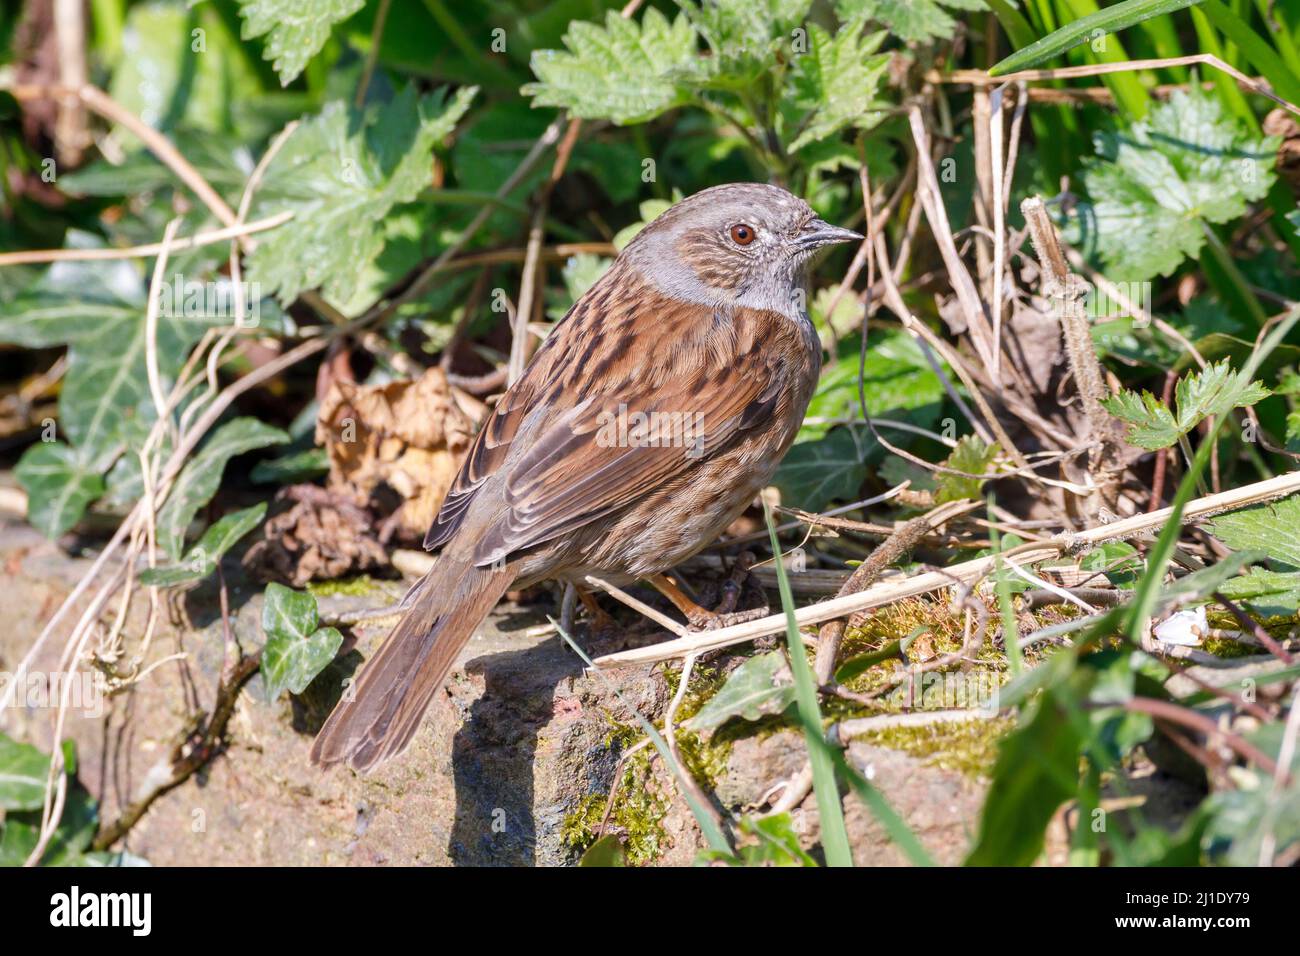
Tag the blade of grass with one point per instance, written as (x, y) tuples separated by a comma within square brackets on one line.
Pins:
[(821, 756), (899, 832), (713, 834), (1129, 92), (1255, 49), (1110, 20), (1010, 633), (1013, 22)]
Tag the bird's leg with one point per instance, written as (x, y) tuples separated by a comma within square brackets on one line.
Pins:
[(702, 618), (601, 620)]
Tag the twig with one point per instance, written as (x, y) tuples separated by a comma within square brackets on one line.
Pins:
[(891, 591)]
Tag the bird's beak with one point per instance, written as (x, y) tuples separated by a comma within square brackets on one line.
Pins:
[(818, 233)]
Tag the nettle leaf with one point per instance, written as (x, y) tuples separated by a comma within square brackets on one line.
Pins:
[(627, 72), (744, 35), (341, 173), (202, 559), (760, 686), (1216, 390), (1271, 527), (837, 80), (200, 478), (814, 473), (296, 648), (973, 457), (295, 29), (913, 20), (1159, 182)]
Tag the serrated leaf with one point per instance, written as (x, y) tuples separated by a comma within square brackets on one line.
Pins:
[(296, 650), (59, 487), (1158, 183), (745, 35), (1269, 593), (200, 478), (836, 81), (758, 687), (1215, 390), (973, 457), (201, 560), (1271, 527), (912, 20), (815, 473), (295, 30), (341, 173), (627, 72)]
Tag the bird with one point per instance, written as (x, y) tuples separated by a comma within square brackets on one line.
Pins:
[(651, 416)]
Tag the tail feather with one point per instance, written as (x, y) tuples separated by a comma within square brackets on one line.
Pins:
[(396, 686)]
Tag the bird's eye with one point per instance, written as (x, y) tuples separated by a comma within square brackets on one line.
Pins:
[(742, 234)]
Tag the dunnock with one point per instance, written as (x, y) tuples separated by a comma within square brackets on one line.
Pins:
[(655, 411)]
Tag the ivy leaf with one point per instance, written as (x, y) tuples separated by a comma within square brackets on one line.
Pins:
[(971, 456), (1272, 527), (1159, 182), (627, 72), (912, 20), (23, 771), (202, 559), (296, 648), (199, 479), (896, 380), (295, 29), (837, 81), (341, 173), (1216, 390), (59, 487), (815, 473), (760, 686)]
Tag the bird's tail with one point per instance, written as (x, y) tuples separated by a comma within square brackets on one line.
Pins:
[(380, 717)]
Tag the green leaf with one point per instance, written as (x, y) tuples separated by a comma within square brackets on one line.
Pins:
[(745, 36), (1269, 593), (1035, 772), (23, 771), (1216, 390), (200, 478), (202, 559), (182, 65), (912, 20), (836, 82), (973, 457), (814, 473), (607, 851), (758, 687), (775, 843), (295, 29), (1158, 183), (296, 648), (1117, 17), (341, 173), (291, 468), (1119, 561), (59, 487), (627, 72), (1271, 527)]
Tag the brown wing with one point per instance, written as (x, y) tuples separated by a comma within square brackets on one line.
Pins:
[(709, 377)]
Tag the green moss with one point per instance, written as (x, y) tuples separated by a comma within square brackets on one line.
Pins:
[(359, 586), (967, 746), (1226, 647), (637, 814)]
